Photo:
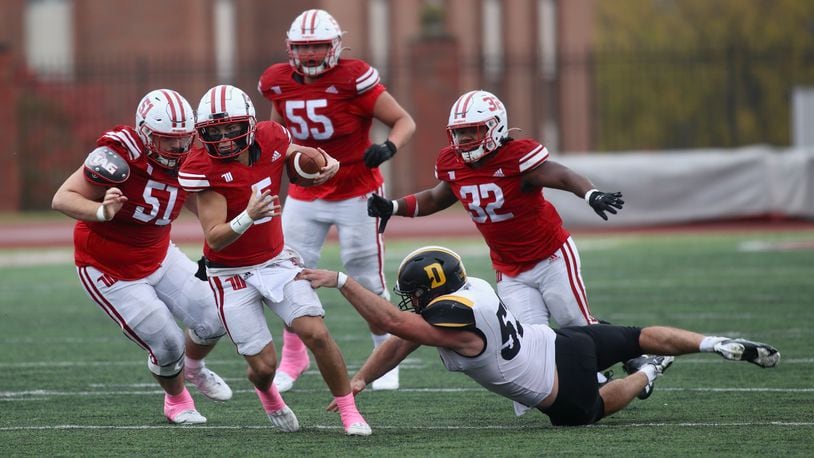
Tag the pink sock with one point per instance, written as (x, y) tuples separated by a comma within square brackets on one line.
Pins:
[(295, 357), (348, 411), (271, 399), (173, 405)]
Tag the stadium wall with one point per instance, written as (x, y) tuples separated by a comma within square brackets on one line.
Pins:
[(678, 187)]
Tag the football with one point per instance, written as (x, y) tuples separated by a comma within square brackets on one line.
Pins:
[(303, 166)]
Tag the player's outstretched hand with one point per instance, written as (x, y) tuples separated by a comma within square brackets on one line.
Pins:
[(379, 207), (603, 202), (319, 277), (375, 155)]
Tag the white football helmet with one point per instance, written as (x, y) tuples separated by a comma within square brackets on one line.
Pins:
[(166, 124), (314, 27), (477, 125), (226, 121)]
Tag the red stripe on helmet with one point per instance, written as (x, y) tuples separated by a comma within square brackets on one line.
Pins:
[(180, 101), (222, 99), (212, 100), (463, 104), (173, 114), (305, 22)]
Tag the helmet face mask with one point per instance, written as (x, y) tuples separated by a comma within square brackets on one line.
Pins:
[(165, 123), (226, 122), (314, 43), (477, 125), (427, 273)]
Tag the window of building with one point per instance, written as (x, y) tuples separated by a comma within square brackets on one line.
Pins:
[(48, 35)]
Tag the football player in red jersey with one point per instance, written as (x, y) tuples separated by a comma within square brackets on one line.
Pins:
[(329, 102), (236, 176), (125, 198), (500, 182)]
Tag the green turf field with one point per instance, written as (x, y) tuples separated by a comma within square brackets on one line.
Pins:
[(71, 384)]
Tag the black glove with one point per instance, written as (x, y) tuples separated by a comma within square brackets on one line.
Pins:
[(201, 273), (378, 206), (603, 202), (376, 154)]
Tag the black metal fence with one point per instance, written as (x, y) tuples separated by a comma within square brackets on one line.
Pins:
[(647, 99)]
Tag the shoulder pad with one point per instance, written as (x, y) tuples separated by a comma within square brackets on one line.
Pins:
[(450, 311), (105, 166)]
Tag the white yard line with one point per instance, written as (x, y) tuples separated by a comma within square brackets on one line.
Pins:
[(42, 395), (408, 427)]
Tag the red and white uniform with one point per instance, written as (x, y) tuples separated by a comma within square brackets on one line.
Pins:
[(535, 258), (333, 112), (134, 243), (236, 181), (256, 268), (131, 269)]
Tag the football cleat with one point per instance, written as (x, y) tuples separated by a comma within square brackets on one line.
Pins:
[(283, 380), (187, 417), (745, 350), (660, 363), (388, 381), (358, 428), (285, 420), (209, 384), (603, 378)]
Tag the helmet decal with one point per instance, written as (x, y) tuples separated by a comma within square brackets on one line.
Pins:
[(427, 273)]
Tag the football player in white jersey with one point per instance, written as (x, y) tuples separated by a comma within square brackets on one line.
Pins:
[(553, 370)]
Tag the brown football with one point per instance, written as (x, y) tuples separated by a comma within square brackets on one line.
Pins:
[(303, 166)]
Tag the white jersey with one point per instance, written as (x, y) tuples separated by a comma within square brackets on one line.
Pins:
[(518, 360)]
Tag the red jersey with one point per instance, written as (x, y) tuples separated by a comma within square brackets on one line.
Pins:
[(334, 112), (520, 227), (236, 182), (133, 244)]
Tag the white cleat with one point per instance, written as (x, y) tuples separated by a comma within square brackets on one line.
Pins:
[(358, 429), (757, 353), (187, 417), (388, 381), (209, 384), (283, 381), (285, 420)]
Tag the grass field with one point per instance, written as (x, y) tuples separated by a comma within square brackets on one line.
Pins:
[(71, 384)]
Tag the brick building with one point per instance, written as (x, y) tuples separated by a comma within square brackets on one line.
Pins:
[(71, 68)]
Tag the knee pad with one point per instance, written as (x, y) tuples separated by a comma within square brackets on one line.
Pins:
[(167, 370), (201, 336), (167, 356)]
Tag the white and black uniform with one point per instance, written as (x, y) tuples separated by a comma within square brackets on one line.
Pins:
[(519, 360)]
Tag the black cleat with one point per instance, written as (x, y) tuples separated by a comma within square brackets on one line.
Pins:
[(661, 363)]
